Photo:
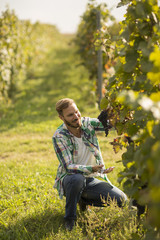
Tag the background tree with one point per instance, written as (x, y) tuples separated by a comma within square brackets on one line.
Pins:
[(23, 46), (89, 39)]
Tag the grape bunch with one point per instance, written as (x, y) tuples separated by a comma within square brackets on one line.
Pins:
[(103, 118)]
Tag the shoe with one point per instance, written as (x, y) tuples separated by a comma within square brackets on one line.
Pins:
[(69, 224), (82, 205)]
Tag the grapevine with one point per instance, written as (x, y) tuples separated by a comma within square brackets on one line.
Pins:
[(22, 49), (133, 93)]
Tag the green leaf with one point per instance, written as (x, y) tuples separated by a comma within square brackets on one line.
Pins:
[(144, 28), (104, 103), (126, 34), (123, 3), (120, 128), (143, 46), (140, 10), (131, 60), (146, 147), (156, 131), (146, 66), (132, 129)]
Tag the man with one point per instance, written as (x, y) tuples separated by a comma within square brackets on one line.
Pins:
[(78, 152)]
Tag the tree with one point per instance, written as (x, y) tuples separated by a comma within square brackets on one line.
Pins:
[(90, 36)]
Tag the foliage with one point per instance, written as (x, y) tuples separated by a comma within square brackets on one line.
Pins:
[(22, 49), (133, 96), (89, 36), (113, 30), (8, 50)]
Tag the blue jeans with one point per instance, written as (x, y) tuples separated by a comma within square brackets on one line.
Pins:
[(89, 190)]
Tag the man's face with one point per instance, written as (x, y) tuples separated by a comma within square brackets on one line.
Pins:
[(71, 116)]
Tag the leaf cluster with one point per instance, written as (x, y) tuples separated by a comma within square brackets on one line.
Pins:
[(133, 95)]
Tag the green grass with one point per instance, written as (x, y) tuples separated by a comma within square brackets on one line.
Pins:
[(29, 206)]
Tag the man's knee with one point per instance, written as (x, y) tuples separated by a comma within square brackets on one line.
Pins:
[(78, 181), (75, 182), (115, 194), (121, 199)]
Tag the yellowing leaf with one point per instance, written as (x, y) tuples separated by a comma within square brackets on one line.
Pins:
[(104, 103), (155, 97), (150, 125), (154, 75)]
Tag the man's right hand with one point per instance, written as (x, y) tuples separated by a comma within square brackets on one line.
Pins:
[(97, 168)]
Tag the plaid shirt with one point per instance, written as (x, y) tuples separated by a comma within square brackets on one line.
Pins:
[(67, 150)]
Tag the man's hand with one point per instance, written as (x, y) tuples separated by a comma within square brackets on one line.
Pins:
[(97, 168), (108, 170)]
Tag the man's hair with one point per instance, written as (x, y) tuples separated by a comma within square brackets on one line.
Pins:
[(62, 104)]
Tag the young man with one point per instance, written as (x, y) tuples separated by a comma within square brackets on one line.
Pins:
[(78, 152)]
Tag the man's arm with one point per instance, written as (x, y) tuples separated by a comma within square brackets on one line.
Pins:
[(96, 124), (101, 123)]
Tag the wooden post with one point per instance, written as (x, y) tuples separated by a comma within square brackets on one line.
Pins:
[(99, 60)]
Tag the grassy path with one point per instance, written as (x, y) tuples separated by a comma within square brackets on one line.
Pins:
[(29, 206)]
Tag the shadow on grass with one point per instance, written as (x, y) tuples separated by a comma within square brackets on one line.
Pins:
[(34, 227)]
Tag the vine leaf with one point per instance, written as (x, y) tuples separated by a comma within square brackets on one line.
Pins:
[(131, 60)]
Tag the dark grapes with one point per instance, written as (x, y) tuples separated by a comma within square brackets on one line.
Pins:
[(103, 118)]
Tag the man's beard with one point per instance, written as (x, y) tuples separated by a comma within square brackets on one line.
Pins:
[(70, 125)]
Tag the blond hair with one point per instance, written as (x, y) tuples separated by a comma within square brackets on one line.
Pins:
[(62, 104)]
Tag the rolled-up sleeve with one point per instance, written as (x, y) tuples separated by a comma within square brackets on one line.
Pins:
[(96, 124)]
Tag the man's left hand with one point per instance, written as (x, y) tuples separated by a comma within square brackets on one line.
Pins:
[(108, 170)]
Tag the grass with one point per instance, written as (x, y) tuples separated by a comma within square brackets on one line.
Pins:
[(29, 206)]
